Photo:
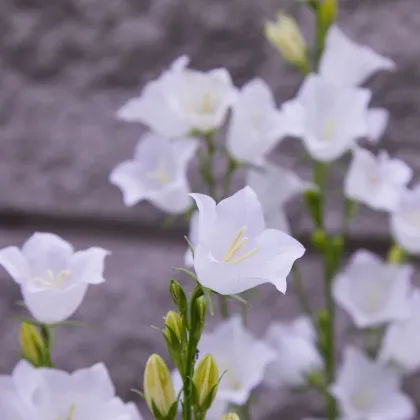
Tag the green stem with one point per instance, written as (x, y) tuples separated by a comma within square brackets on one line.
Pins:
[(300, 291), (245, 410)]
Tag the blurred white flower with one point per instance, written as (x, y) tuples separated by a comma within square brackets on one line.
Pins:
[(48, 394), (297, 355), (349, 64), (256, 124), (377, 120), (158, 173), (368, 390), (377, 181), (401, 343), (193, 238), (328, 118), (181, 100), (405, 221), (52, 277), (240, 356), (274, 187), (373, 292), (234, 251)]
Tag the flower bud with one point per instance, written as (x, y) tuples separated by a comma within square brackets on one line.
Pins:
[(158, 388), (230, 416), (199, 317), (284, 34), (396, 255), (206, 380), (327, 13), (31, 344), (178, 296), (173, 325)]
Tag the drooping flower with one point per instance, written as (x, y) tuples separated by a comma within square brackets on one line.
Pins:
[(328, 118), (377, 120), (256, 124), (296, 353), (347, 63), (401, 343), (52, 277), (182, 100), (40, 394), (373, 292), (377, 181), (405, 221), (274, 187), (234, 251), (368, 390), (157, 173)]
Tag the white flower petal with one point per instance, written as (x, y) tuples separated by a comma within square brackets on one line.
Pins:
[(206, 215), (15, 263), (377, 123), (88, 266)]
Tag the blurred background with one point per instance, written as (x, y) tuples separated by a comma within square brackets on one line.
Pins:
[(68, 65)]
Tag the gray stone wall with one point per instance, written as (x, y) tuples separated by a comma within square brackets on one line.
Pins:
[(67, 66)]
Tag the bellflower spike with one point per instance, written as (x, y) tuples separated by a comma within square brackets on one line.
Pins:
[(373, 292), (328, 118), (405, 221), (40, 393), (377, 181), (158, 173), (182, 100), (368, 390), (256, 125), (235, 252), (52, 277), (349, 64), (297, 355), (401, 343), (275, 186), (377, 120)]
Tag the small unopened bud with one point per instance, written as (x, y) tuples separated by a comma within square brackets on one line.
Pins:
[(206, 380), (327, 12), (285, 35), (178, 296), (31, 344), (230, 416), (199, 318), (158, 388), (396, 255), (173, 322)]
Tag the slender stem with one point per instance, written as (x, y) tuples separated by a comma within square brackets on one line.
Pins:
[(300, 291), (245, 410)]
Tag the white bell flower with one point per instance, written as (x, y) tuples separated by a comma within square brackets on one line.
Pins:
[(50, 394), (401, 342), (328, 118), (182, 100), (52, 277), (377, 181), (234, 251), (157, 173), (256, 125), (297, 354), (405, 221), (373, 292), (274, 187), (377, 120), (368, 390), (347, 63)]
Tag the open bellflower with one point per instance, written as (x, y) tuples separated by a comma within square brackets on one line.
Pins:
[(368, 390), (373, 292), (157, 173), (377, 181), (296, 351), (405, 221), (256, 125), (49, 394), (52, 277), (275, 186), (328, 118), (182, 100), (234, 251), (401, 342), (347, 63)]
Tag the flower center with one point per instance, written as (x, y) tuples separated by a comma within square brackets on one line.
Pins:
[(70, 415), (329, 128), (160, 174), (362, 399), (374, 299), (235, 247), (50, 280), (206, 104), (231, 380)]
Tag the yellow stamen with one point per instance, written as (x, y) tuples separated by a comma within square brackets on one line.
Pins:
[(70, 416), (49, 280), (237, 244), (245, 256), (206, 106), (329, 129), (159, 174), (234, 244)]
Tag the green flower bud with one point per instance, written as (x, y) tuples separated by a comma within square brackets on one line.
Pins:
[(327, 12), (178, 296), (31, 344), (199, 318), (206, 380), (285, 35), (396, 255), (173, 325), (230, 416), (158, 388)]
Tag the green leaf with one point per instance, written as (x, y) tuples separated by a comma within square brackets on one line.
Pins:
[(187, 272), (209, 302), (240, 299)]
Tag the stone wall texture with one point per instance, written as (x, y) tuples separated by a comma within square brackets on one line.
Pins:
[(67, 65)]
